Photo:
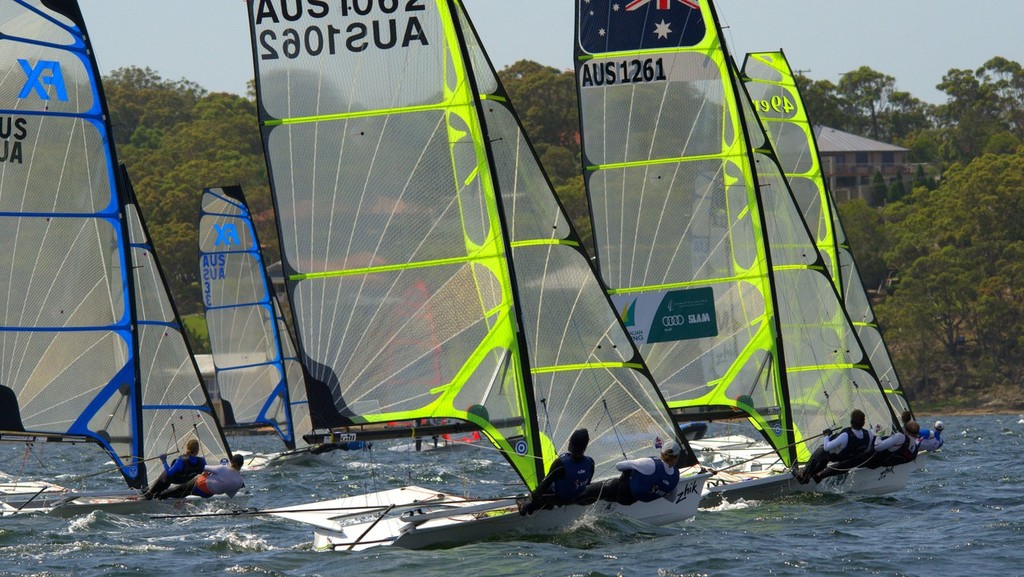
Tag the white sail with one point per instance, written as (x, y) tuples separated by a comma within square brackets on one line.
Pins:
[(432, 271), (86, 349), (258, 374)]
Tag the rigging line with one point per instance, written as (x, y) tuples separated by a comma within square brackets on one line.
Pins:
[(615, 428), (756, 457), (24, 462), (134, 460)]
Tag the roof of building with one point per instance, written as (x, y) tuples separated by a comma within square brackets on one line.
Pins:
[(833, 140)]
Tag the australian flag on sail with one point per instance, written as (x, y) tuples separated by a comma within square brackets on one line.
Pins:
[(620, 25)]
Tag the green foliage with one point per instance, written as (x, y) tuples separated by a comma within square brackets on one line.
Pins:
[(897, 190), (879, 190), (865, 233), (198, 335), (960, 303)]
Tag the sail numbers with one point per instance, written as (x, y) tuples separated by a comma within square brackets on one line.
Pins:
[(359, 25), (779, 104), (13, 130), (633, 71)]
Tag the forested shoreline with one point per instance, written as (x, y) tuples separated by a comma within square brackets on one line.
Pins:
[(947, 255)]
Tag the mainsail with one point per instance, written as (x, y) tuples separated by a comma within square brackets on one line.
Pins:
[(174, 403), (777, 100), (70, 346), (67, 352), (258, 373), (697, 234), (432, 271)]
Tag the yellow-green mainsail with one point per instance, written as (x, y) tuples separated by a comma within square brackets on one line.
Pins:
[(433, 273), (778, 102), (698, 236)]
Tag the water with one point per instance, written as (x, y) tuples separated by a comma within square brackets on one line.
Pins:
[(962, 515)]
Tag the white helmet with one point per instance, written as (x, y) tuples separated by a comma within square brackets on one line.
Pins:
[(939, 426)]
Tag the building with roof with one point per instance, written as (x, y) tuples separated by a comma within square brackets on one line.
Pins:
[(849, 163)]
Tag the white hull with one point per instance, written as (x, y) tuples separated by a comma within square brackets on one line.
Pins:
[(878, 481), (748, 487), (416, 518), (772, 485)]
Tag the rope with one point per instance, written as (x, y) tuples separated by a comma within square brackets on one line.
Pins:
[(615, 429)]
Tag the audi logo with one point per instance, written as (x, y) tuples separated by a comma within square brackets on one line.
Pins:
[(673, 321)]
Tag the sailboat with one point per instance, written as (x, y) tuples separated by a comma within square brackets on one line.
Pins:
[(702, 246), (258, 373), (432, 271), (777, 100), (91, 348)]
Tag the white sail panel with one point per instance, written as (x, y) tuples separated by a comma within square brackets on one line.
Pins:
[(66, 344), (579, 352), (175, 405), (243, 320), (677, 225), (407, 197)]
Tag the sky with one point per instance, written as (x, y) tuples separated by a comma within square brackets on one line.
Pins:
[(914, 41)]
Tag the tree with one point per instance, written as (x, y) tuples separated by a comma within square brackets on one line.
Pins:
[(824, 104), (545, 100), (878, 191), (866, 94), (865, 234), (896, 190)]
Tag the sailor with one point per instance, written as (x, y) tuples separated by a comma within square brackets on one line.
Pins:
[(220, 479), (931, 440), (182, 470), (566, 480), (896, 449), (645, 479), (849, 448)]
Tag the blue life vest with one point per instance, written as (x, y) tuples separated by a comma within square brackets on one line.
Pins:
[(191, 466), (647, 488), (854, 446), (577, 475)]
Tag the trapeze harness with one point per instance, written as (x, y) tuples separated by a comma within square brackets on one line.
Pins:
[(647, 488), (190, 467), (854, 446), (577, 475)]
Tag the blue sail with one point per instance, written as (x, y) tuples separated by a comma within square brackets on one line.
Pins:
[(86, 349), (67, 347), (258, 373)]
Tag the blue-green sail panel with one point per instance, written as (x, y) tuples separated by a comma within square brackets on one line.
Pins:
[(247, 334), (67, 349)]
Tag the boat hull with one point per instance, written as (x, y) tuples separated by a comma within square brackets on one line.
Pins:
[(418, 518), (878, 481), (758, 488)]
